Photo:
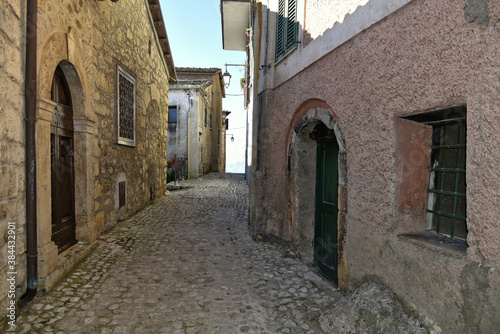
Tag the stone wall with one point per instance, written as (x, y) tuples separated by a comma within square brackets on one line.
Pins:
[(426, 55), (89, 40), (12, 156)]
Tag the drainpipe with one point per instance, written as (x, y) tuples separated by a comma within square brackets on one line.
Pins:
[(190, 103), (31, 193)]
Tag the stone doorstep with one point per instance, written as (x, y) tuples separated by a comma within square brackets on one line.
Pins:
[(68, 261)]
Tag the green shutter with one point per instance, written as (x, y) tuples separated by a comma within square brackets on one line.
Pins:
[(280, 30), (286, 27), (291, 24)]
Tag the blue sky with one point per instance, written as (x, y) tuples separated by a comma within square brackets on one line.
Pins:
[(195, 35)]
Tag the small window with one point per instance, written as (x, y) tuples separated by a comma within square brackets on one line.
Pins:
[(172, 114), (210, 121), (126, 108), (121, 194), (206, 116), (218, 139), (446, 209), (286, 27)]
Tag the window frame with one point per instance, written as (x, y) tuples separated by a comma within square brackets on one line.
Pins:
[(439, 119), (124, 140), (286, 41), (176, 114), (206, 116), (436, 191)]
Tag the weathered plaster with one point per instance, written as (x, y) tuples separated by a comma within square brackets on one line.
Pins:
[(427, 54)]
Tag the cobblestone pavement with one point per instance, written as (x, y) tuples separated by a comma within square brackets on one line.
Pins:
[(185, 264)]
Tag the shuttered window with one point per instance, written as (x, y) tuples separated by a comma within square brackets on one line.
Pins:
[(172, 114), (286, 27)]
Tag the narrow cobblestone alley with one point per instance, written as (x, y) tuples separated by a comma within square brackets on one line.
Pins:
[(185, 265)]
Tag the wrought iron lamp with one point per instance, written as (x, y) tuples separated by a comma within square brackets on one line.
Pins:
[(226, 77)]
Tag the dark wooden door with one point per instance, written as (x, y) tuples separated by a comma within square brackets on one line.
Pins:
[(62, 165), (325, 237)]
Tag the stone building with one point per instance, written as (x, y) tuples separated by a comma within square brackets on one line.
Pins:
[(375, 149), (101, 90), (196, 124)]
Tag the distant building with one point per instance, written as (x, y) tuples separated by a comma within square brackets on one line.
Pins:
[(99, 115), (375, 150), (196, 123)]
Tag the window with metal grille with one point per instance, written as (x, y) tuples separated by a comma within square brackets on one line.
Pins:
[(286, 27), (172, 114), (447, 197), (126, 108), (446, 209)]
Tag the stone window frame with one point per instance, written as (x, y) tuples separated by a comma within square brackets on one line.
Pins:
[(431, 237), (120, 71)]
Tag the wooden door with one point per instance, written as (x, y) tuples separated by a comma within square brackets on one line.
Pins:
[(325, 237), (62, 165)]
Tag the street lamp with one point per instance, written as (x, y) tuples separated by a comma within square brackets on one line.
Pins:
[(226, 77), (230, 134)]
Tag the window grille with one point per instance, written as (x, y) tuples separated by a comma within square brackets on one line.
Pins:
[(446, 209), (126, 108), (447, 196)]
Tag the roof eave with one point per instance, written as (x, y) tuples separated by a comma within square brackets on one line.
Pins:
[(161, 32)]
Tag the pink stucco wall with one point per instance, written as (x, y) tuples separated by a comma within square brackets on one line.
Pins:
[(429, 54)]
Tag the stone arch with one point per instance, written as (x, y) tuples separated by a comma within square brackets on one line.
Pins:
[(60, 50), (301, 162)]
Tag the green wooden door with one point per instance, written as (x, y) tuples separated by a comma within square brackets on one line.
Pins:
[(325, 237)]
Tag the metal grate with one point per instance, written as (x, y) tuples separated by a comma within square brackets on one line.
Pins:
[(121, 194), (448, 185), (126, 108)]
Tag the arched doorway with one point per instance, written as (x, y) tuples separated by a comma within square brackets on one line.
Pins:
[(317, 168), (62, 164)]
